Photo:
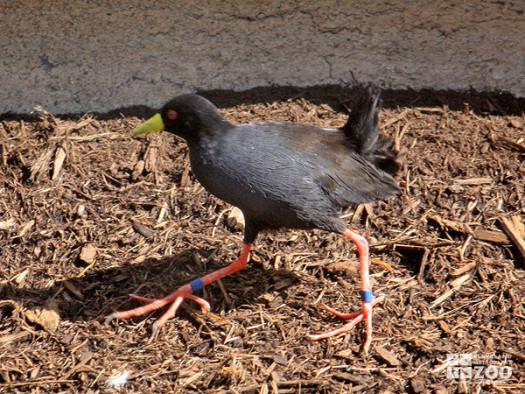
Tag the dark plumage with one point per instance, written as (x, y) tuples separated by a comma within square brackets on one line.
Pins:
[(281, 175)]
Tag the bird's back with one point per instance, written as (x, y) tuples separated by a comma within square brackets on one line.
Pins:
[(285, 174)]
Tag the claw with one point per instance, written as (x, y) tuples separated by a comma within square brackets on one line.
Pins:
[(111, 317)]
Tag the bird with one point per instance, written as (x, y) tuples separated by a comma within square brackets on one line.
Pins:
[(282, 175)]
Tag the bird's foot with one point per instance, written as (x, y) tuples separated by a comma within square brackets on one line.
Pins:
[(174, 298), (185, 291), (356, 317)]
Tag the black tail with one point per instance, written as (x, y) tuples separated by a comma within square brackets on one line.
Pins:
[(362, 125), (362, 132)]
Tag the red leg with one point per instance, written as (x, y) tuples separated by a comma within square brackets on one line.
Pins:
[(366, 296), (185, 291)]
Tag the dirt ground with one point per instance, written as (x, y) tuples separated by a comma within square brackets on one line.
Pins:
[(89, 214)]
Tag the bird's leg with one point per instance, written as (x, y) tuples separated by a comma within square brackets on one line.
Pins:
[(185, 291), (366, 296)]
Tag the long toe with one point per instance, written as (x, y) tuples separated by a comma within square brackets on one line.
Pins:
[(364, 314), (205, 305), (172, 310), (352, 315), (151, 305), (338, 331)]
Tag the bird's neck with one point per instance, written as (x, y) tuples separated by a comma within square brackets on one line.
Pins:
[(209, 130)]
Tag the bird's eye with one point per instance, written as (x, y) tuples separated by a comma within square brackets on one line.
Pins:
[(171, 114)]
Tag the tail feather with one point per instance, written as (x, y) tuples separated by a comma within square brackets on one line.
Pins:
[(362, 132), (362, 125)]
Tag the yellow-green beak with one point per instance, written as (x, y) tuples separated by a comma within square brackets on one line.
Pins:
[(154, 123)]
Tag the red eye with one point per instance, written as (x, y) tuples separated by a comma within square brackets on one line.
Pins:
[(171, 114)]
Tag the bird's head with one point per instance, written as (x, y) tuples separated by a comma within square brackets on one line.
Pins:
[(187, 116)]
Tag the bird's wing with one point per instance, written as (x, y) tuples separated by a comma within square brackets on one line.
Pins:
[(309, 161), (345, 176)]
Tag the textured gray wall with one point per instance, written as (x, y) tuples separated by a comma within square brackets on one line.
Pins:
[(74, 56)]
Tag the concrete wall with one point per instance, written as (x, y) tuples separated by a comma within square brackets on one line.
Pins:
[(74, 56)]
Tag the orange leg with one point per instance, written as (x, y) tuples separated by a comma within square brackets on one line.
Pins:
[(185, 291), (366, 297)]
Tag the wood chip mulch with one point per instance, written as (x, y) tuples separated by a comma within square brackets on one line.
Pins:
[(89, 214)]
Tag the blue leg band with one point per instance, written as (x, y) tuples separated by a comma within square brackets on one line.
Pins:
[(196, 284), (367, 295)]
